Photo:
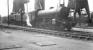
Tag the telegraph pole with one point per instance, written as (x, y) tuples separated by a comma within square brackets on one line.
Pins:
[(8, 11)]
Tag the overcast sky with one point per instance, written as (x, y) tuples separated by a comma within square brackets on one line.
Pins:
[(55, 2), (49, 3)]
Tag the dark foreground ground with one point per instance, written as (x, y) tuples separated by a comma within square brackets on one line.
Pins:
[(22, 40)]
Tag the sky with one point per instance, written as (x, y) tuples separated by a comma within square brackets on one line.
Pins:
[(30, 5), (55, 2)]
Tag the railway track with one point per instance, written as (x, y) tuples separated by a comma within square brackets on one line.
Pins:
[(85, 36)]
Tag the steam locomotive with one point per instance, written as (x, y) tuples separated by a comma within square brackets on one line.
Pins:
[(57, 15)]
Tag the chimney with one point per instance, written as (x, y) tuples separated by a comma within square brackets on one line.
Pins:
[(40, 4)]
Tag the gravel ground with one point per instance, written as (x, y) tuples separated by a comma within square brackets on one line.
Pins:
[(22, 40)]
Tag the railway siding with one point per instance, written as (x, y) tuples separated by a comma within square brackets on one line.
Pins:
[(79, 35)]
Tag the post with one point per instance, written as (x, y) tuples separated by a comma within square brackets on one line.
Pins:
[(8, 11)]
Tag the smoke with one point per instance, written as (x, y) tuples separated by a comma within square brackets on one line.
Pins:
[(28, 20)]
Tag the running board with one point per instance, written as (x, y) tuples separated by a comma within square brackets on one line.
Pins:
[(45, 30), (27, 28), (83, 29)]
